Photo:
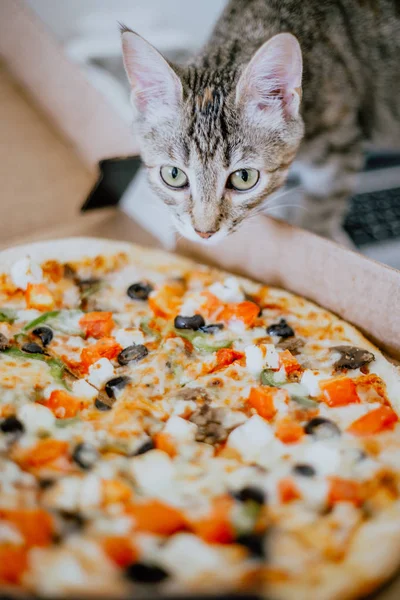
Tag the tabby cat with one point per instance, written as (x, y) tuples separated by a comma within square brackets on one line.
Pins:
[(309, 81)]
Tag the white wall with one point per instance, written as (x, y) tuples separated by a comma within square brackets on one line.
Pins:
[(195, 17)]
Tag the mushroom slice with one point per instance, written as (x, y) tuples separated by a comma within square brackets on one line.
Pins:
[(352, 357)]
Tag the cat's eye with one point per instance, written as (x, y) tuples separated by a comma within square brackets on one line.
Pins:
[(243, 179), (174, 177)]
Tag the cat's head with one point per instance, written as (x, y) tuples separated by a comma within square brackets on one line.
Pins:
[(216, 143)]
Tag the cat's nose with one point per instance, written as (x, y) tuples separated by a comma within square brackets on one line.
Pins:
[(205, 234)]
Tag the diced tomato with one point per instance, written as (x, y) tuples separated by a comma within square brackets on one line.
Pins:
[(339, 392), (212, 305), (288, 362), (97, 324), (241, 311), (288, 491), (44, 452), (289, 431), (154, 516), (216, 528), (13, 563), (104, 348), (38, 296), (166, 301), (64, 405), (120, 550), (377, 420), (225, 357), (115, 491), (165, 442), (262, 399), (345, 490), (34, 524)]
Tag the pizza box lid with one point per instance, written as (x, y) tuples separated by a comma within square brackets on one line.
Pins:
[(58, 144)]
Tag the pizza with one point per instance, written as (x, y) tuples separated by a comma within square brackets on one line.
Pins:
[(168, 428)]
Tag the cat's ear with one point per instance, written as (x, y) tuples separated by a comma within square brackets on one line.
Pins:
[(155, 85), (272, 79)]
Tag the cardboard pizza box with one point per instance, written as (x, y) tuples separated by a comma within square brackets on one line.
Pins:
[(57, 136)]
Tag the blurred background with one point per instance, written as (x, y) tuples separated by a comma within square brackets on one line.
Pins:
[(88, 30)]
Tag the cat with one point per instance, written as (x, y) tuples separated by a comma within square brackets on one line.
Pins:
[(279, 82)]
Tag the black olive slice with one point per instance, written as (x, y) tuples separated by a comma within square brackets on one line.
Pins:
[(32, 348), (100, 405), (304, 470), (45, 334), (352, 357), (12, 425), (145, 573), (251, 493), (145, 447), (322, 428), (214, 328), (118, 383), (85, 455), (132, 353), (140, 290), (195, 322), (281, 329), (255, 543)]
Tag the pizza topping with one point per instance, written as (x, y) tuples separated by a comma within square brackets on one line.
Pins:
[(100, 372), (352, 357), (289, 431), (194, 394), (304, 470), (145, 573), (209, 424), (101, 405), (377, 420), (254, 543), (4, 343), (339, 392), (294, 345), (280, 329), (26, 271), (246, 312), (85, 455), (344, 490), (322, 429), (37, 418), (213, 328), (139, 291), (115, 385), (196, 322), (38, 296), (133, 353), (106, 348), (32, 348), (45, 334), (262, 400), (145, 447), (97, 324), (64, 405), (12, 425), (250, 493)]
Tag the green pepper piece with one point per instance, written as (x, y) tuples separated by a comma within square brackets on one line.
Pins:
[(61, 423), (7, 316), (96, 286), (305, 402), (201, 341), (42, 319), (267, 378), (246, 517), (57, 367), (144, 326), (202, 344)]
